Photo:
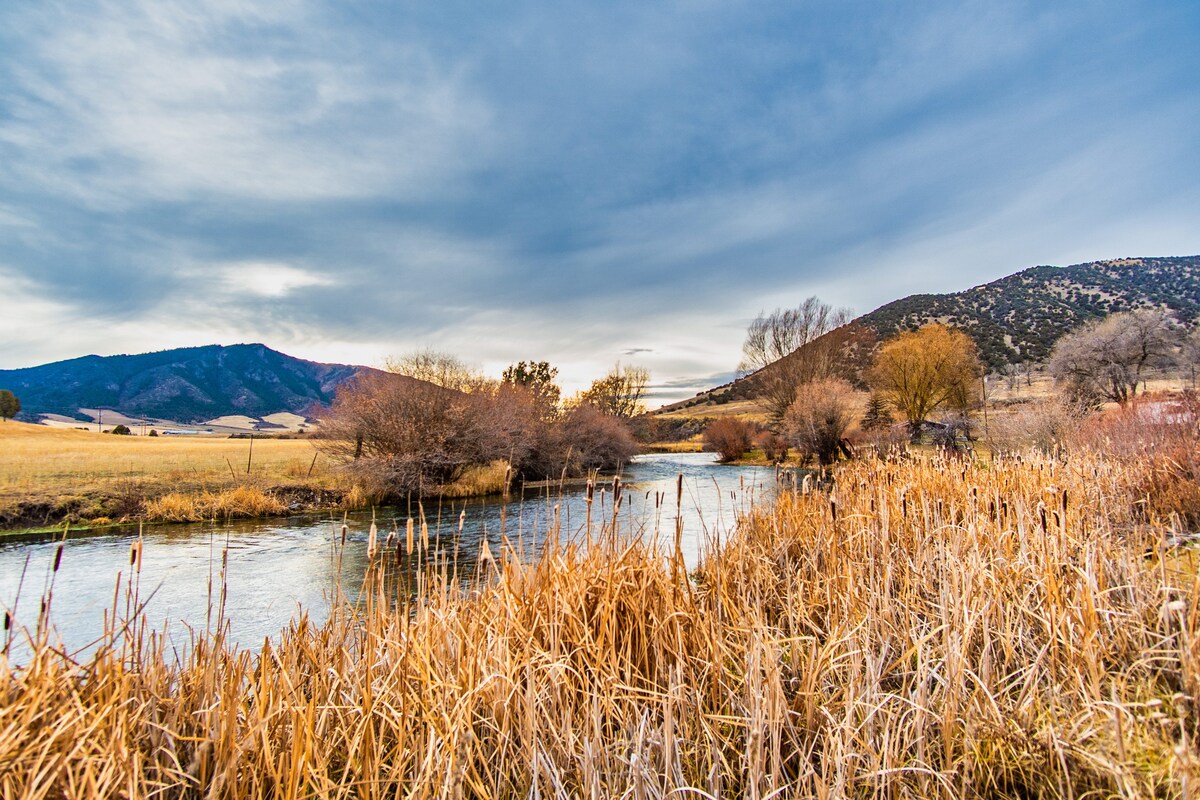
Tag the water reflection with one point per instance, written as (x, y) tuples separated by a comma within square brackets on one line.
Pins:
[(274, 568)]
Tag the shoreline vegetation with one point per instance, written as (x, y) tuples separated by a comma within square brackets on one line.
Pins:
[(928, 626), (51, 477)]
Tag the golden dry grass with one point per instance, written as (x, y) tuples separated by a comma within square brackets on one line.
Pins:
[(746, 409), (692, 445), (240, 501), (1041, 385), (35, 458), (480, 480), (930, 629), (41, 464)]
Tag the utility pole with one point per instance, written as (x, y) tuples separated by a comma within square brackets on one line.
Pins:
[(983, 396)]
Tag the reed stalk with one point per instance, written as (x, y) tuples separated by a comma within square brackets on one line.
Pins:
[(931, 633)]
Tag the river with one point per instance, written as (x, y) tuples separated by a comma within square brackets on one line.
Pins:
[(275, 567)]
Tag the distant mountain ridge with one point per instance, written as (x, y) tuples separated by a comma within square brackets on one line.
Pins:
[(1013, 319), (188, 384)]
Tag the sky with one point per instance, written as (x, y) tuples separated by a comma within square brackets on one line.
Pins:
[(581, 183)]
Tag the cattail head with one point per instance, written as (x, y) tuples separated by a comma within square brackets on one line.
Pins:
[(486, 560)]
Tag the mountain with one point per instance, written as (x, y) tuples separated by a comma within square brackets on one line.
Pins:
[(1014, 319), (1020, 317), (187, 384)]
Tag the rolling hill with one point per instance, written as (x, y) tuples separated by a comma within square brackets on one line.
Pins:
[(1014, 319), (188, 384)]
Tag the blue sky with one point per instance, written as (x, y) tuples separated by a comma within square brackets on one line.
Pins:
[(581, 183)]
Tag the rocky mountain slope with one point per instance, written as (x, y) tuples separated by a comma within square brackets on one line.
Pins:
[(1020, 317)]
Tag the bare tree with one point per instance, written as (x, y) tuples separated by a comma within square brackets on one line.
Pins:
[(784, 351), (1107, 359), (818, 420), (1189, 354), (772, 336), (441, 369), (619, 393)]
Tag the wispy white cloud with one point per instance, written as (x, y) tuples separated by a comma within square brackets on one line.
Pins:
[(151, 101)]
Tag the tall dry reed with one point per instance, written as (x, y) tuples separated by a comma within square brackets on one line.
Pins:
[(237, 502), (927, 629)]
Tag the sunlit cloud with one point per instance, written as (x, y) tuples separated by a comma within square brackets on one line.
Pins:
[(268, 280)]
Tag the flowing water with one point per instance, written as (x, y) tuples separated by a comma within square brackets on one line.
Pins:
[(271, 569)]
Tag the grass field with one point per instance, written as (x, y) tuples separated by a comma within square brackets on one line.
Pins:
[(746, 409), (930, 628), (99, 474)]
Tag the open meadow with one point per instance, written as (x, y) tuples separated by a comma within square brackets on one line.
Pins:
[(48, 473)]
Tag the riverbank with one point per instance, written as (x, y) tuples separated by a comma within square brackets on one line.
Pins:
[(52, 477), (935, 628)]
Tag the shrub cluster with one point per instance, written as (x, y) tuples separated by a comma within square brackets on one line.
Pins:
[(1159, 438), (398, 435), (729, 438)]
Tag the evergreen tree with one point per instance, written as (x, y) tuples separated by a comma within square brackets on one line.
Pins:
[(878, 414)]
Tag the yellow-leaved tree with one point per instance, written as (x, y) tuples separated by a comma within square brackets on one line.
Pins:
[(922, 371)]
